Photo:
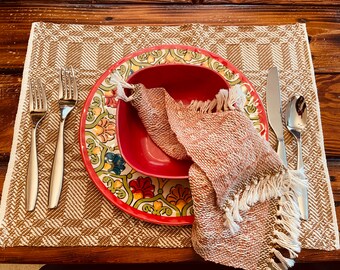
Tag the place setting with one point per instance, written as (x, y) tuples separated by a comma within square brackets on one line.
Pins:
[(145, 161), (170, 143)]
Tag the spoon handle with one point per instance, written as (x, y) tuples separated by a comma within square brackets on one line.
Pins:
[(299, 158), (303, 199)]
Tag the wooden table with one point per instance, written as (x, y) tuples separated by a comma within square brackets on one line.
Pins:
[(323, 25)]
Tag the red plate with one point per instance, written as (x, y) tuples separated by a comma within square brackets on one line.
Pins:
[(153, 199)]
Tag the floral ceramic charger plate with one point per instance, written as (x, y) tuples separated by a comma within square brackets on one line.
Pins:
[(156, 200)]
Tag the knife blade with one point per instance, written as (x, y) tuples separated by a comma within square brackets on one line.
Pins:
[(274, 110)]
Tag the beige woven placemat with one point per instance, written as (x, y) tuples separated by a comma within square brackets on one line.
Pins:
[(85, 217)]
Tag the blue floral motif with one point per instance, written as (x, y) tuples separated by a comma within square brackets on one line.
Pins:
[(116, 161)]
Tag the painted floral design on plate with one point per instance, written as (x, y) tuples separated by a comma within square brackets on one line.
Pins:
[(152, 199)]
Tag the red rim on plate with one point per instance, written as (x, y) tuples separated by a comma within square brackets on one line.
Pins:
[(156, 200)]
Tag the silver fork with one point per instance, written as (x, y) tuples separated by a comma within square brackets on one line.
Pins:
[(68, 96), (37, 108)]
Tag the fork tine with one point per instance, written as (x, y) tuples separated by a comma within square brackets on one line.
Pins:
[(38, 94), (31, 96), (75, 90), (61, 83), (43, 96), (35, 96), (69, 85), (66, 83)]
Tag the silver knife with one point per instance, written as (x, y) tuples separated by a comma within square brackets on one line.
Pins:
[(274, 110)]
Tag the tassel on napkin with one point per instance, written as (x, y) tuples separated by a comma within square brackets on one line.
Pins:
[(245, 200)]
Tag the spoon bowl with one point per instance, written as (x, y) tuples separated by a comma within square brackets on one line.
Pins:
[(296, 115)]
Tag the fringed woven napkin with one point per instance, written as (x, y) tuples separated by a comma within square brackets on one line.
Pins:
[(237, 180), (85, 217)]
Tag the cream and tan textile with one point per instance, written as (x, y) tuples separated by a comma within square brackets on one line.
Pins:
[(85, 217)]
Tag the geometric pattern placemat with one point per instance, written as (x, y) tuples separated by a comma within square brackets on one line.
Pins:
[(84, 217)]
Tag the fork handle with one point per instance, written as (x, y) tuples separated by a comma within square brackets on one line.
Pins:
[(32, 174), (57, 174)]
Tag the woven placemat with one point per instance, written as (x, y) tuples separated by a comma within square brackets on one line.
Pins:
[(84, 217)]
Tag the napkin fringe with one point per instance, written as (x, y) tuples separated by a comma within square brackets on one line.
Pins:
[(232, 99), (119, 81), (225, 100), (285, 261), (287, 233), (261, 189), (284, 185)]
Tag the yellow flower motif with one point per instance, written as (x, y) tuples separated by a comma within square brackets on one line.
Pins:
[(205, 64), (109, 94), (105, 130), (169, 58), (137, 195), (179, 196), (180, 204), (117, 184), (187, 57), (98, 130), (107, 166), (134, 68), (96, 150), (150, 59), (157, 205), (97, 111)]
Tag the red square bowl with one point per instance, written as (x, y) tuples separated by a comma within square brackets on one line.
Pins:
[(183, 82)]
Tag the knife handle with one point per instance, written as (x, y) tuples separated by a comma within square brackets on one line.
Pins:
[(281, 150)]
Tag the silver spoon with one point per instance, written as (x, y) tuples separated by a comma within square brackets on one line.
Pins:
[(296, 121)]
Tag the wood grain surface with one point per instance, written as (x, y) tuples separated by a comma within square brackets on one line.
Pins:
[(322, 24), (322, 19)]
